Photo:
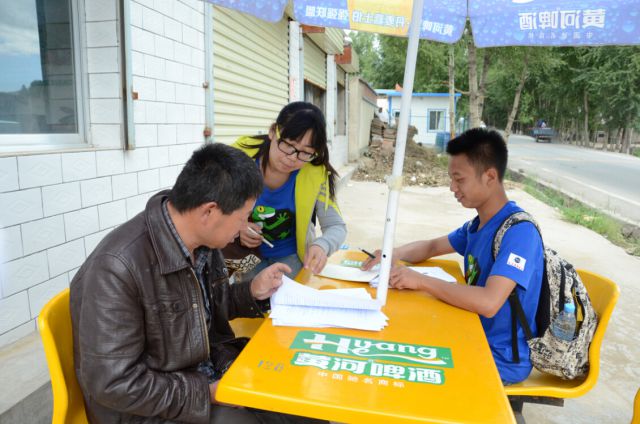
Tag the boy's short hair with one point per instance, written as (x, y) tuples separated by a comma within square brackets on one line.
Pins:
[(216, 173), (484, 148)]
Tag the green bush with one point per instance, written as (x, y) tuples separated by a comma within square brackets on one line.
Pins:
[(575, 212)]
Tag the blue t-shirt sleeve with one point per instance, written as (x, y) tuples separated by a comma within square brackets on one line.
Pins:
[(458, 239), (520, 254)]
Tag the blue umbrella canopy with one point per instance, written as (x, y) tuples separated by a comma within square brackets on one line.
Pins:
[(494, 23), (554, 23)]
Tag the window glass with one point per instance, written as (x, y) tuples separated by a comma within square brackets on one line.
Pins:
[(37, 77), (341, 118), (436, 120), (314, 94)]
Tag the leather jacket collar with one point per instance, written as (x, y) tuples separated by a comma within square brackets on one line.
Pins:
[(170, 257)]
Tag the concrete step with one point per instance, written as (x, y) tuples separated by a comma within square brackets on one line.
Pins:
[(25, 394), (346, 172)]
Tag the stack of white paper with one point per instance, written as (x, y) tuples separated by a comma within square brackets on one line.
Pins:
[(429, 271), (296, 305)]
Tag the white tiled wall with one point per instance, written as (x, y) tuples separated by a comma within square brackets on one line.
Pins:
[(55, 208)]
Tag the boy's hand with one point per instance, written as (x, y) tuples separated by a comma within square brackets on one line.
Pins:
[(371, 262), (402, 277), (268, 280)]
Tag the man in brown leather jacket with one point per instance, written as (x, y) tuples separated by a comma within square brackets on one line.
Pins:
[(151, 305)]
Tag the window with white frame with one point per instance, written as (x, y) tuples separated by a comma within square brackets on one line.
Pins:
[(39, 80), (435, 120)]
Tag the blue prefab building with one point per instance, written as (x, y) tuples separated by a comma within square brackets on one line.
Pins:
[(429, 112)]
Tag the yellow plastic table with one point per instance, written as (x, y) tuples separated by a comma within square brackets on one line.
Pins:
[(431, 363)]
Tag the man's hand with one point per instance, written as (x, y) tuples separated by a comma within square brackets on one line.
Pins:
[(249, 239), (268, 280), (402, 277), (315, 259)]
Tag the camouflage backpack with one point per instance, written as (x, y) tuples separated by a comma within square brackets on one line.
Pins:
[(560, 282)]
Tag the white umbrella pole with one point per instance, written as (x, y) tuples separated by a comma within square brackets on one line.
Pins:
[(395, 180)]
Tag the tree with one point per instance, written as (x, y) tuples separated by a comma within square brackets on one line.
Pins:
[(474, 110), (516, 99), (452, 92), (580, 91), (614, 73), (364, 44)]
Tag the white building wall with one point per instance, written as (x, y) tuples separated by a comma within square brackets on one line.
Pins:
[(331, 98), (57, 206), (296, 63), (339, 151), (420, 107)]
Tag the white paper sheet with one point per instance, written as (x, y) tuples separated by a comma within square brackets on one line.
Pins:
[(360, 292), (429, 271), (292, 293), (306, 316), (347, 273)]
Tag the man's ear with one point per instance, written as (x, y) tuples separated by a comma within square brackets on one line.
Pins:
[(207, 210), (492, 176)]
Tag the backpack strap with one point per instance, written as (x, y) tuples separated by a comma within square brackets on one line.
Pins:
[(513, 219), (517, 312), (563, 282)]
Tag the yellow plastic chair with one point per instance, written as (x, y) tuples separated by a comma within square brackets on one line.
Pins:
[(548, 389), (636, 409), (54, 323)]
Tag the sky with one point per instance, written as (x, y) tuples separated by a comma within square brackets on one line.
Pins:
[(19, 44)]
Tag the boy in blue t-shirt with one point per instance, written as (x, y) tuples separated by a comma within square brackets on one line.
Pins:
[(478, 160)]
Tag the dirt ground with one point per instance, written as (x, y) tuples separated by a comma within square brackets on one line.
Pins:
[(423, 166)]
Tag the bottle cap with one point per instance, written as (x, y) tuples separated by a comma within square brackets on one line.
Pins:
[(569, 307)]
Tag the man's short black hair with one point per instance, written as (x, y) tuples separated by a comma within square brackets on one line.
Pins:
[(216, 173), (484, 148)]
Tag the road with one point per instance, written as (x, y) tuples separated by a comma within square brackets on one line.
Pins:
[(605, 180)]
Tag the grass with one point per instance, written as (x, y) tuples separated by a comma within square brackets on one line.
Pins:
[(578, 213)]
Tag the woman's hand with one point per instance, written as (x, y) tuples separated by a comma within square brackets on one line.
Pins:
[(315, 259), (248, 238)]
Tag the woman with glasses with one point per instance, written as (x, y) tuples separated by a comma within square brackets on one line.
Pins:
[(299, 188)]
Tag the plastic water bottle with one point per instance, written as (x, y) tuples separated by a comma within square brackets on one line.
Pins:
[(564, 326)]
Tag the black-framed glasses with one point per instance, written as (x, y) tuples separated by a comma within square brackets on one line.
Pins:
[(289, 149)]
